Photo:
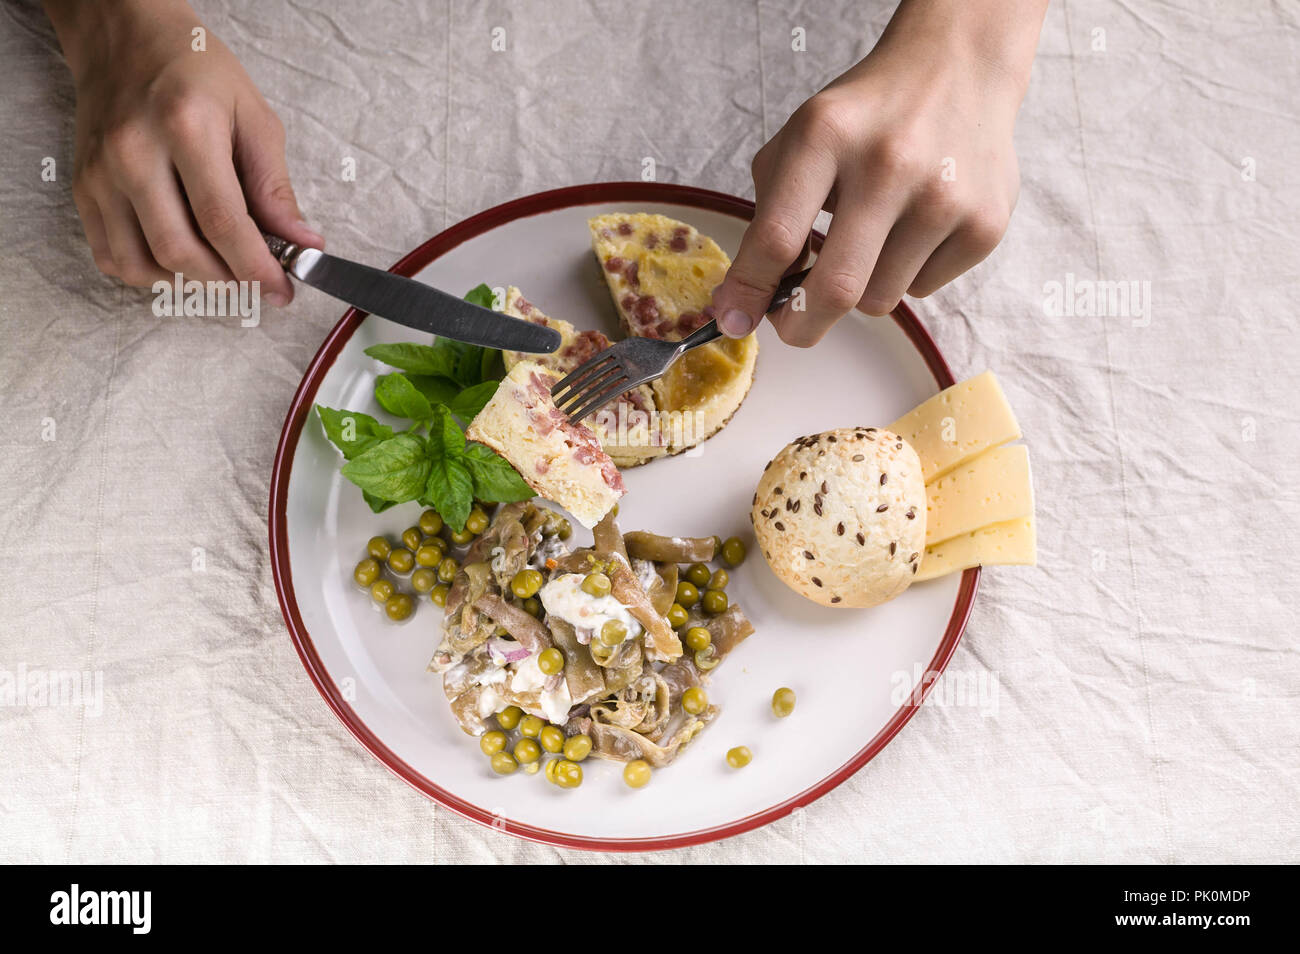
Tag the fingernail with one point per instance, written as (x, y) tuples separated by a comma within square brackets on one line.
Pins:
[(277, 299), (736, 323)]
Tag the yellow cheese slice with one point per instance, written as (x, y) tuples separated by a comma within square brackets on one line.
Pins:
[(957, 424), (992, 488), (1010, 543)]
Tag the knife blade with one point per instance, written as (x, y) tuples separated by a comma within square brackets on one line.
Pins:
[(409, 302)]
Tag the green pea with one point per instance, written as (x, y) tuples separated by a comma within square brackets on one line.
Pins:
[(613, 632), (550, 661), (637, 774), (714, 602), (447, 569), (677, 616), (401, 560), (782, 702), (509, 717), (399, 606), (695, 700), (533, 607), (367, 571), (596, 584), (530, 726), (491, 742), (706, 658), (428, 555), (687, 594), (733, 552), (567, 774), (719, 580), (462, 537), (526, 583), (739, 756), (439, 594), (698, 574), (526, 750), (552, 738), (577, 747), (424, 580), (411, 538), (477, 521), (697, 638), (430, 523), (381, 590), (379, 548), (503, 763)]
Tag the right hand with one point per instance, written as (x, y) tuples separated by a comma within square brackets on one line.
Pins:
[(179, 159)]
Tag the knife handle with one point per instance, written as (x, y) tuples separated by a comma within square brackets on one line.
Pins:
[(283, 250)]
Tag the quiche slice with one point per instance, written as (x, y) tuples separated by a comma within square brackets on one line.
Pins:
[(559, 459), (625, 427), (661, 274)]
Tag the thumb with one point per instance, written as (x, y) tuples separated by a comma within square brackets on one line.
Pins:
[(268, 189)]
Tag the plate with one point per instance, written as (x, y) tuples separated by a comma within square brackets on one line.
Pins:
[(859, 675)]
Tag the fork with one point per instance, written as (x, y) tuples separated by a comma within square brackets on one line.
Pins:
[(633, 362)]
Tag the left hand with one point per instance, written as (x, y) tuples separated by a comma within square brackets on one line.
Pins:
[(912, 152)]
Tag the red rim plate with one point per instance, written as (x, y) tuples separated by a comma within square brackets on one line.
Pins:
[(410, 265)]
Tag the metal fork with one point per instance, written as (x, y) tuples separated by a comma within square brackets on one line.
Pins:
[(633, 362)]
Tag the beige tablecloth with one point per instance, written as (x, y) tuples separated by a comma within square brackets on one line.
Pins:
[(1147, 670)]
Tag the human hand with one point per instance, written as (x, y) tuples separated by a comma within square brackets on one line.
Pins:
[(179, 159), (912, 152)]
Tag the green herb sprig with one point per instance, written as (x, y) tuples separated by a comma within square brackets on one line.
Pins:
[(438, 388)]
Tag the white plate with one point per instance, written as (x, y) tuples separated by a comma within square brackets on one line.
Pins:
[(853, 670)]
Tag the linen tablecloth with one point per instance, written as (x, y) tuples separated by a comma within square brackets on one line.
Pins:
[(1147, 670)]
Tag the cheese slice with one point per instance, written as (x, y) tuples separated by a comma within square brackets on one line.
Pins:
[(1010, 543), (992, 488), (957, 424)]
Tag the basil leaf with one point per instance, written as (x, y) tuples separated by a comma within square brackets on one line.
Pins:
[(377, 504), (494, 479), (351, 431), (469, 402), (449, 485), (396, 469), (397, 395), (492, 368), (416, 358), (466, 361), (437, 390), (481, 295)]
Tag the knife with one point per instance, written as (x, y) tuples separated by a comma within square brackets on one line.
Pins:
[(409, 302)]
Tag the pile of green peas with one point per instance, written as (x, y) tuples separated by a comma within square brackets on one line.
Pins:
[(422, 553), (708, 588), (536, 740)]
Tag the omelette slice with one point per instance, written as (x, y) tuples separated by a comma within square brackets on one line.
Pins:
[(661, 274)]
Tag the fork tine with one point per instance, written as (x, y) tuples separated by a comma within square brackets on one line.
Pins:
[(582, 372), (590, 386), (608, 394)]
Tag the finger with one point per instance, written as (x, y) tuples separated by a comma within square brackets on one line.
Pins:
[(217, 200), (961, 251), (92, 223), (173, 239), (132, 259), (839, 276), (787, 204), (260, 161), (910, 244)]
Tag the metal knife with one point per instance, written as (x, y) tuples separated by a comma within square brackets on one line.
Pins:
[(409, 302)]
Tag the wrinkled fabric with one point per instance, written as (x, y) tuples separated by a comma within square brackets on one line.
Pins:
[(1147, 676)]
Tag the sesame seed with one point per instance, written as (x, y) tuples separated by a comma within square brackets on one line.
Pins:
[(817, 508), (803, 475), (776, 490), (914, 566), (862, 541), (882, 508), (825, 488), (816, 582), (893, 546), (839, 530), (795, 508), (884, 479), (858, 457), (831, 438), (911, 513), (913, 557), (780, 526), (835, 599), (808, 554)]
